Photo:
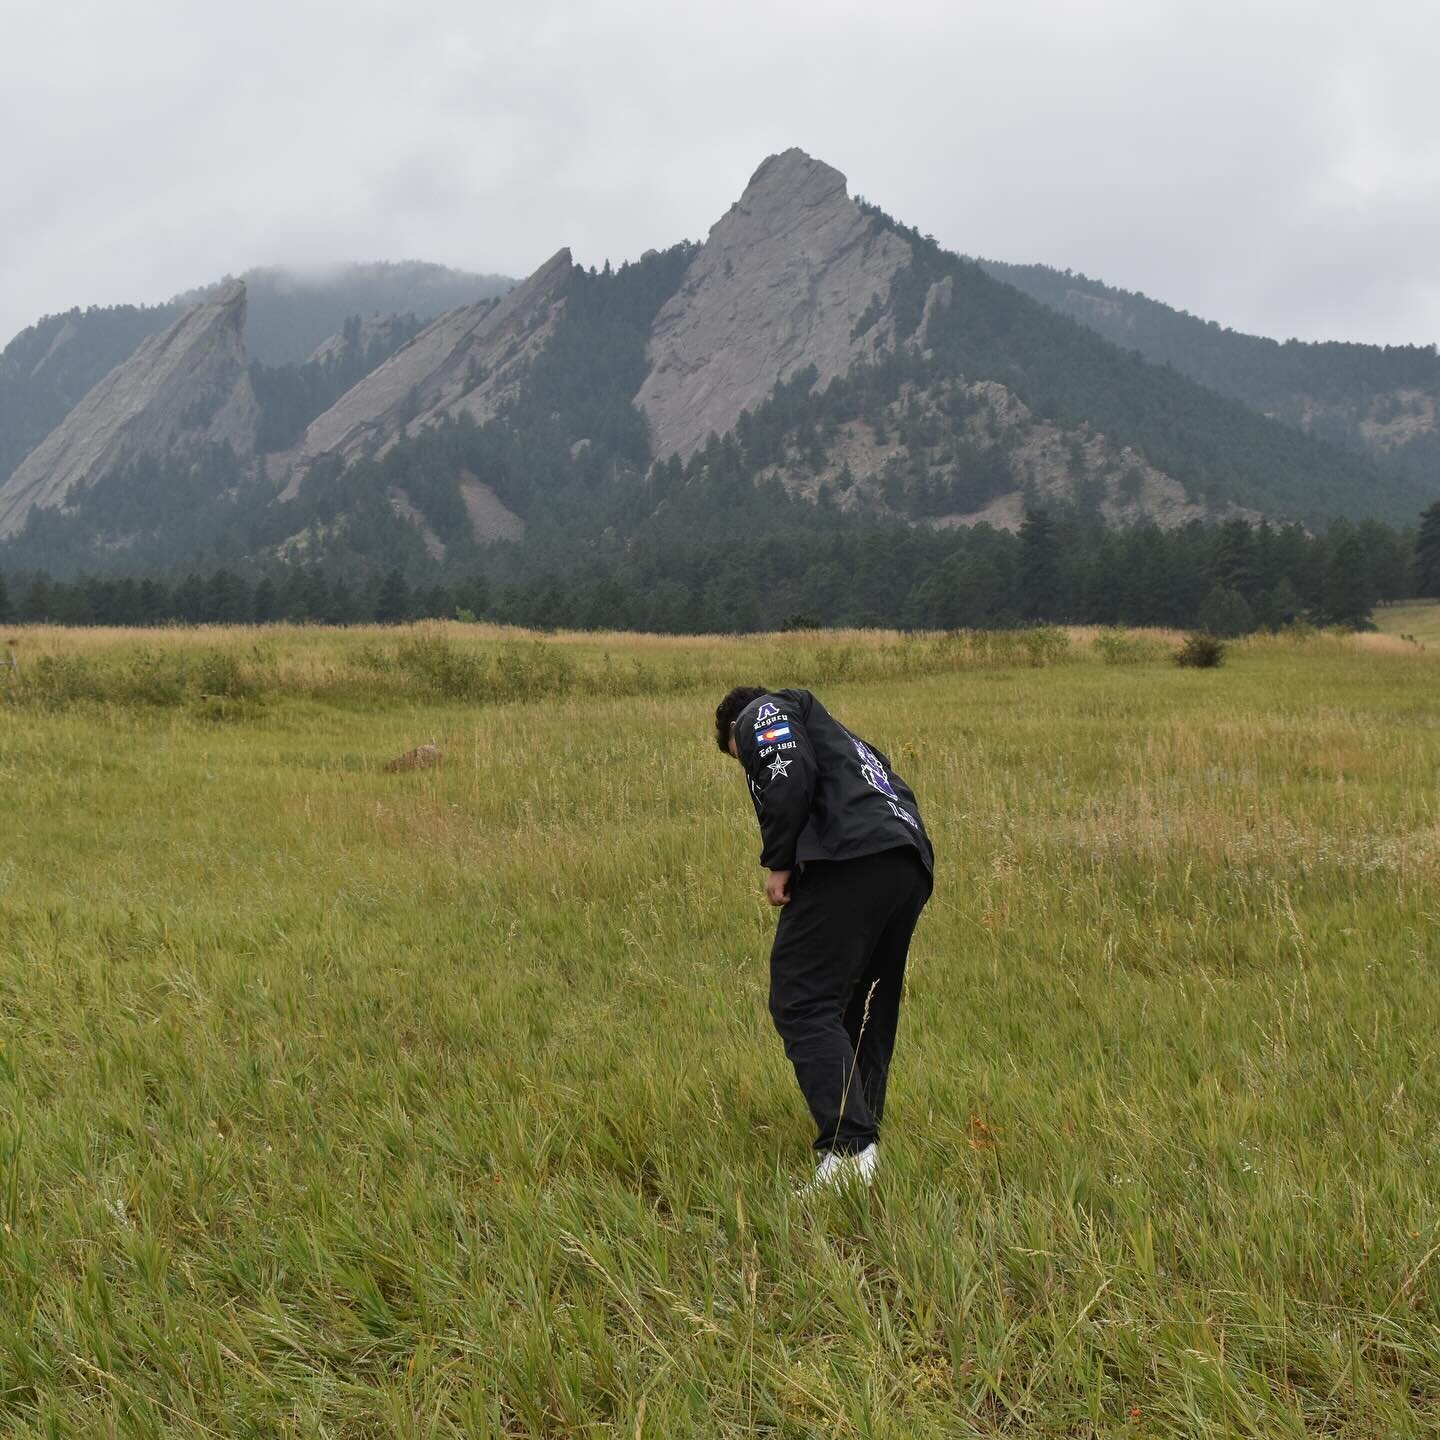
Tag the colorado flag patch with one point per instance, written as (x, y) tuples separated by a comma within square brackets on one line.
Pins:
[(773, 735)]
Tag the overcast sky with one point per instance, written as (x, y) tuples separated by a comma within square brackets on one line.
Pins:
[(1274, 166)]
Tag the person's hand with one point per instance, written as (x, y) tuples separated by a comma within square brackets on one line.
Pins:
[(777, 887)]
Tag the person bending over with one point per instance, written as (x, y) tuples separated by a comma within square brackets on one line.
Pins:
[(852, 866)]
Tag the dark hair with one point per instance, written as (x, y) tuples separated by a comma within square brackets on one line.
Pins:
[(727, 712)]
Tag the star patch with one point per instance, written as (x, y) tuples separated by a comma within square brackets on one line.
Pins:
[(780, 767)]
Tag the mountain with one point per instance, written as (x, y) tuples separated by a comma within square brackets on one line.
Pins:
[(467, 362), (48, 367), (1382, 402), (952, 398), (814, 363), (292, 312), (182, 389), (778, 287)]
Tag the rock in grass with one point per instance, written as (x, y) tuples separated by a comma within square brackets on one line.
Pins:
[(422, 757)]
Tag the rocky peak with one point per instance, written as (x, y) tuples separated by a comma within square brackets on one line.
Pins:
[(469, 361), (781, 283), (186, 385), (372, 330)]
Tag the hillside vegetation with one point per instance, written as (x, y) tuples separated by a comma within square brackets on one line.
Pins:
[(336, 1102), (1378, 401), (812, 346)]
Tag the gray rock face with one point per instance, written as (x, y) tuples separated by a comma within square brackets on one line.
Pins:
[(781, 283), (467, 362), (187, 385), (490, 517), (372, 328)]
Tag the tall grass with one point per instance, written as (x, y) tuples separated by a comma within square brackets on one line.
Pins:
[(484, 665), (337, 1103)]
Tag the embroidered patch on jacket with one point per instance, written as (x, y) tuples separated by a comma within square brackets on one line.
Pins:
[(780, 768), (766, 712), (773, 736)]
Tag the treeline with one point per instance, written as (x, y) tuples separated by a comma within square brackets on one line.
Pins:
[(304, 594), (1227, 579)]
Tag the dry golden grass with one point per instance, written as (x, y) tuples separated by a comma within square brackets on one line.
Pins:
[(344, 1104)]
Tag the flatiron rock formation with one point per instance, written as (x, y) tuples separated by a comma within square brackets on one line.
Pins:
[(469, 361), (188, 384), (782, 283), (372, 330)]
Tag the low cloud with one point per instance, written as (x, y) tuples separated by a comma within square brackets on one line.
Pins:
[(1272, 166)]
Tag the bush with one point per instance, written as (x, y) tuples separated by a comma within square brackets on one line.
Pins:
[(531, 672), (221, 675), (1121, 647), (55, 681), (155, 677), (1045, 645), (1200, 652), (441, 668)]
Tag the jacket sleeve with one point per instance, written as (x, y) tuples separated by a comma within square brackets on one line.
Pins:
[(782, 782)]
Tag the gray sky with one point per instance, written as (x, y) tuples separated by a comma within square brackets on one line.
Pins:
[(1274, 166)]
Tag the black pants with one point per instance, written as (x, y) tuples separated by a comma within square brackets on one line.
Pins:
[(837, 969)]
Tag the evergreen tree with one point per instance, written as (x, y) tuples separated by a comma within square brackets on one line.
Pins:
[(7, 612), (1427, 553), (1348, 594), (1284, 606), (474, 596), (295, 596), (189, 600), (437, 603), (392, 605), (1235, 558), (38, 605), (265, 606), (1388, 560), (125, 607), (227, 599), (1039, 567), (154, 602), (1226, 613), (315, 594), (344, 608)]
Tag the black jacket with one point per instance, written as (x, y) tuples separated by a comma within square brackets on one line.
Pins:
[(820, 792)]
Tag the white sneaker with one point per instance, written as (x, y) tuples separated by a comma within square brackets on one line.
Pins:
[(839, 1172)]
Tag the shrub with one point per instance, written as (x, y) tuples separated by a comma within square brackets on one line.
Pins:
[(221, 674), (1121, 647), (55, 681), (156, 677), (1200, 652), (444, 670), (1045, 644), (530, 672)]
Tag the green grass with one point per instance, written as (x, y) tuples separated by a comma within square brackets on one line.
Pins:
[(1419, 619), (339, 1103)]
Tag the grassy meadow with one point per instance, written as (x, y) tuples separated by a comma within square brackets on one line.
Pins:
[(1419, 619), (343, 1103)]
